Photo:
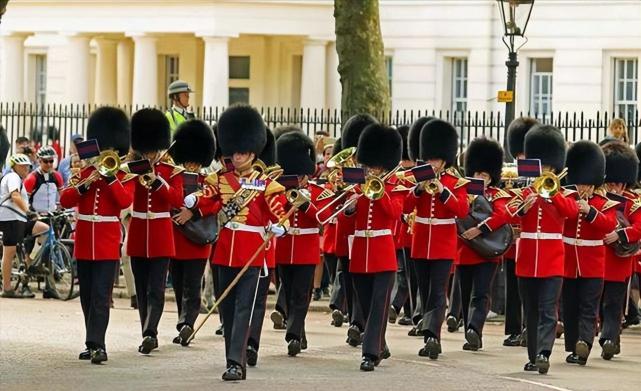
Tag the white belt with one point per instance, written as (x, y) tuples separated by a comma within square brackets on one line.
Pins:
[(540, 235), (582, 242), (98, 218), (150, 215), (371, 233), (302, 231), (434, 221), (246, 228)]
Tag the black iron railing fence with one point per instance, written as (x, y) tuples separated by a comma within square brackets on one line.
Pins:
[(44, 123)]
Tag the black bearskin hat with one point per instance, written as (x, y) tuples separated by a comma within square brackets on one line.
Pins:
[(194, 142), (638, 150), (337, 147), (586, 164), (439, 140), (484, 155), (516, 134), (268, 155), (149, 131), (546, 142), (379, 146), (414, 137), (281, 130), (621, 163), (404, 131), (353, 129), (218, 154), (241, 129), (296, 154), (110, 126)]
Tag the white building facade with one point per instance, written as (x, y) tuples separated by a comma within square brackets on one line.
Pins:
[(581, 55)]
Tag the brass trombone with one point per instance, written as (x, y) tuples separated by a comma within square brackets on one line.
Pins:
[(546, 186), (107, 164)]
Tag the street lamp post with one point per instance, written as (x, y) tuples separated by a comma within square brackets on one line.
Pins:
[(515, 15)]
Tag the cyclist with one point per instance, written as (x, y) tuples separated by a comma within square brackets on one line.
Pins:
[(43, 184), (14, 207)]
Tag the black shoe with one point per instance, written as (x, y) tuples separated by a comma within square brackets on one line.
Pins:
[(354, 336), (337, 318), (317, 295), (512, 340), (176, 340), (303, 343), (367, 364), (11, 294), (185, 333), (419, 329), (431, 349), (234, 373), (99, 355), (452, 324), (293, 348), (85, 355), (582, 350), (50, 294), (609, 349), (148, 344), (473, 339), (133, 302), (278, 319), (404, 321), (26, 292), (385, 354), (542, 364), (393, 314), (326, 292), (220, 330), (252, 356), (575, 359), (530, 367), (413, 332), (630, 321)]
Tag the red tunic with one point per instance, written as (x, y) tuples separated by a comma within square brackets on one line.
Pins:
[(301, 244), (515, 222), (499, 217), (539, 251), (434, 227), (583, 238), (619, 269), (373, 248), (151, 231), (98, 234)]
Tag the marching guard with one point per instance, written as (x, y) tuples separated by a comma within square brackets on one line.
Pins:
[(150, 241), (584, 249), (99, 199)]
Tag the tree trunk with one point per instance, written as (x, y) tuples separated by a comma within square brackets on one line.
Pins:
[(361, 59)]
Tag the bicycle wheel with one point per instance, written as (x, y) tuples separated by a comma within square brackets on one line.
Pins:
[(63, 275)]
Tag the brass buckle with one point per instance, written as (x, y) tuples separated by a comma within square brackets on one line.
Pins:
[(369, 233), (151, 215)]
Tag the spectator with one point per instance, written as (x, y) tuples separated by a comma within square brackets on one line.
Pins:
[(43, 185), (22, 145), (66, 164), (4, 147), (617, 131)]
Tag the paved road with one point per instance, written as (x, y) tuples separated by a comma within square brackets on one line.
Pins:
[(40, 340)]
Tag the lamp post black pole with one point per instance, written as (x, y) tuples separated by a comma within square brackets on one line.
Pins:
[(512, 63)]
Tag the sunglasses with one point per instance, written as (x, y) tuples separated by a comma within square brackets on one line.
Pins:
[(47, 161)]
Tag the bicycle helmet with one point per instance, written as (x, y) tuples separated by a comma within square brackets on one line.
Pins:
[(46, 152), (19, 158)]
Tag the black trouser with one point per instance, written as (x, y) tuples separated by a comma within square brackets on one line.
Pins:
[(281, 300), (476, 283), (513, 311), (338, 299), (150, 275), (260, 293), (331, 263), (345, 290), (218, 290), (433, 277), (96, 280), (237, 311), (456, 308), (373, 292), (540, 300), (612, 305), (186, 276), (581, 297), (296, 283), (405, 284)]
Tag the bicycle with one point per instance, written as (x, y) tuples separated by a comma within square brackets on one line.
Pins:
[(52, 264)]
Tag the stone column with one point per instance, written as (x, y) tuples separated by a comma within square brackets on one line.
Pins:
[(12, 70), (216, 72), (333, 82), (145, 80), (78, 69), (106, 72), (124, 72), (312, 93)]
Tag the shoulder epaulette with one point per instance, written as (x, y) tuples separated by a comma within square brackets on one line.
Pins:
[(609, 204), (500, 193), (212, 179), (461, 182), (568, 192), (401, 187), (128, 177), (635, 206), (274, 187), (325, 195)]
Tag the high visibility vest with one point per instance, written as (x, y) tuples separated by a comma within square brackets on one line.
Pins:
[(176, 118)]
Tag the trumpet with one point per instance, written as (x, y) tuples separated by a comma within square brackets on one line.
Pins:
[(374, 186), (548, 184), (344, 158)]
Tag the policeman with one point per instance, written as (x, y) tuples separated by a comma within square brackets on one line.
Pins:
[(178, 92)]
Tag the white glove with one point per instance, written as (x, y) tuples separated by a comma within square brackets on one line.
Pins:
[(277, 229), (190, 201)]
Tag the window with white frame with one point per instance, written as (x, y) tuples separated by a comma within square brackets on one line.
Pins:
[(541, 86), (40, 79), (626, 85), (389, 70), (172, 70), (459, 84)]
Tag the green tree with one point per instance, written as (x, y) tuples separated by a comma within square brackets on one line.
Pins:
[(361, 57)]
